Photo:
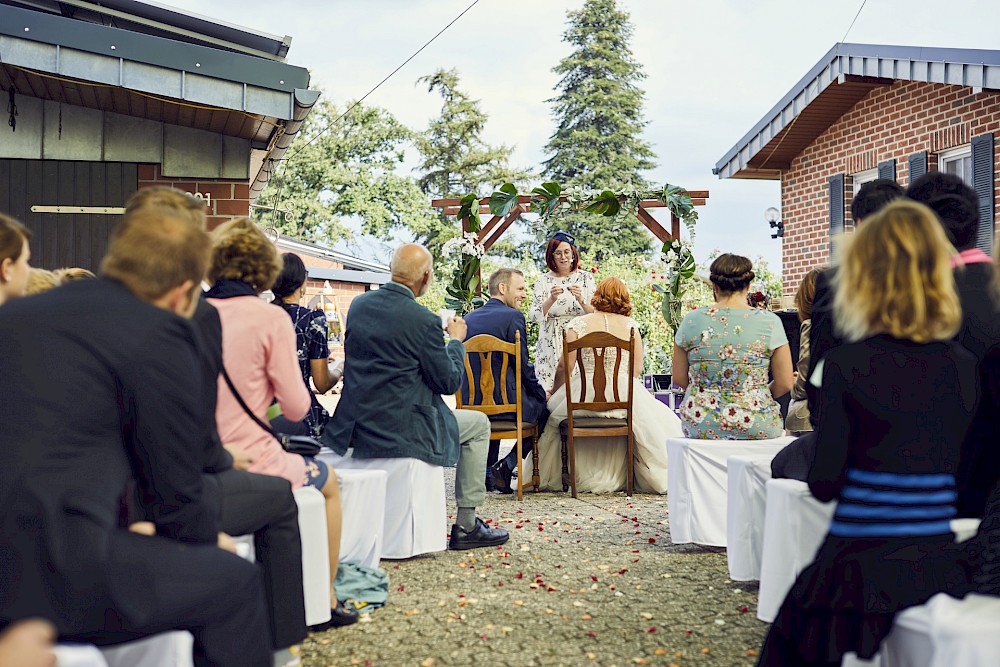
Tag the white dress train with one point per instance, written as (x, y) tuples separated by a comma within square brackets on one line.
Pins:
[(600, 462)]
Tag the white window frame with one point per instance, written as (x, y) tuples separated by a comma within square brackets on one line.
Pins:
[(862, 177), (954, 155)]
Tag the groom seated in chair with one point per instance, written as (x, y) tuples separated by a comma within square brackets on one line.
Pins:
[(501, 317)]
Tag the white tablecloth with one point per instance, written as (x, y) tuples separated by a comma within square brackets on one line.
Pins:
[(745, 516), (794, 525), (415, 510), (78, 655), (170, 649), (315, 554), (697, 483)]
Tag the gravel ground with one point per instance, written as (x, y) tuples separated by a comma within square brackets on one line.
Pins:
[(592, 581)]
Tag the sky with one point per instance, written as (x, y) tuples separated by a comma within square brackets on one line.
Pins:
[(713, 69)]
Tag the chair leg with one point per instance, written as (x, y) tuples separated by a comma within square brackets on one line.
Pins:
[(520, 470), (630, 481), (536, 481), (572, 465), (565, 465)]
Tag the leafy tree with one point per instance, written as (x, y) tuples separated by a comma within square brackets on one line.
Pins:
[(597, 142), (347, 172), (454, 158)]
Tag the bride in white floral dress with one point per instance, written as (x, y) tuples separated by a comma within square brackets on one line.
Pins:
[(600, 462), (560, 295)]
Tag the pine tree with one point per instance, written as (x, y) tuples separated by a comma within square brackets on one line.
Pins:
[(454, 158), (597, 142)]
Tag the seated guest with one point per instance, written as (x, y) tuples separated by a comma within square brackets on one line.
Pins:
[(14, 256), (398, 365), (797, 420), (260, 359), (118, 413), (259, 504), (722, 355), (41, 280), (957, 208), (898, 399), (28, 644), (823, 336), (312, 344), (601, 464), (501, 317)]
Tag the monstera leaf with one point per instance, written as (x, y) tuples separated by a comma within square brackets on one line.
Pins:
[(469, 208), (503, 200), (605, 203), (545, 199)]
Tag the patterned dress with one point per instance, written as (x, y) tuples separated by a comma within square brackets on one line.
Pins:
[(729, 354), (553, 323), (311, 342)]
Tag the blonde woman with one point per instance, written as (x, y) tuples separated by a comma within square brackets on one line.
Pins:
[(898, 399)]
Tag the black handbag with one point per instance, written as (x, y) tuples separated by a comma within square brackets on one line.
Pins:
[(303, 445)]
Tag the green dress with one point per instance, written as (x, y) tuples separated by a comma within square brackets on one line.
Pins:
[(729, 354)]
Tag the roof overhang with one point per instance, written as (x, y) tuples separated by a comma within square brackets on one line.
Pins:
[(298, 246), (75, 62), (841, 79)]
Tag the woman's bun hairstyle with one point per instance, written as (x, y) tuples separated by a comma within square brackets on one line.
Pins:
[(731, 273)]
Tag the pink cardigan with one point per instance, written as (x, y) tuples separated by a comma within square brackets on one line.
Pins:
[(258, 350)]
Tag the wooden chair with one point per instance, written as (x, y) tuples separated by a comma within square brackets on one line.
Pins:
[(486, 402), (600, 342)]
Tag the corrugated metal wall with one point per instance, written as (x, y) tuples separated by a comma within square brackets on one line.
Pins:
[(64, 240)]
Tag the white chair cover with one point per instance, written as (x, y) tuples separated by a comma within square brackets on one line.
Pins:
[(697, 482), (362, 495), (169, 649), (415, 509), (946, 632), (795, 524), (315, 554), (78, 655), (745, 516)]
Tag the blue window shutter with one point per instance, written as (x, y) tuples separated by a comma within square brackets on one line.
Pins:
[(983, 183), (836, 208), (887, 170), (917, 165)]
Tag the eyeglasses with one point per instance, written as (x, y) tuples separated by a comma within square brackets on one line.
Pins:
[(563, 253), (564, 236)]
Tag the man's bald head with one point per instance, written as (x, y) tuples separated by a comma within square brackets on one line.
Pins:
[(412, 266)]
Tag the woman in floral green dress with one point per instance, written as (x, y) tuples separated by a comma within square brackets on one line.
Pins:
[(722, 355)]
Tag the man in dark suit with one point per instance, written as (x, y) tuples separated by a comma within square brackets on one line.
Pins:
[(250, 503), (957, 207), (128, 404), (501, 317), (397, 367), (793, 461)]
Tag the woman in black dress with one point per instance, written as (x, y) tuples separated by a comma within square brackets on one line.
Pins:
[(898, 400)]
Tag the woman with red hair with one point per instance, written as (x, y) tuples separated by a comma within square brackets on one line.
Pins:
[(600, 462)]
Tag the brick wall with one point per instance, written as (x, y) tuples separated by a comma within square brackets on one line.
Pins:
[(889, 123), (343, 295), (225, 199)]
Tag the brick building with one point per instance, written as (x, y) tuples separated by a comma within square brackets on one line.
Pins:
[(868, 111), (103, 99)]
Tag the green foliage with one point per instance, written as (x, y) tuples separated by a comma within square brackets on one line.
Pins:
[(454, 158), (348, 171), (598, 112)]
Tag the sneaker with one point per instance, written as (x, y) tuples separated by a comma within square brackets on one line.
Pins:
[(341, 615), (480, 536)]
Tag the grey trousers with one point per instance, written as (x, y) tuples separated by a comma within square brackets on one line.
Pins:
[(474, 441)]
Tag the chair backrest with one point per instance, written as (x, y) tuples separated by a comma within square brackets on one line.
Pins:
[(607, 394), (481, 394)]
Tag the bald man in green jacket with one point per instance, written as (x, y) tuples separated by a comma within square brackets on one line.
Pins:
[(397, 367)]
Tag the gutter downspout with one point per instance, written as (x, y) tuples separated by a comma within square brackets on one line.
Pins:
[(304, 100)]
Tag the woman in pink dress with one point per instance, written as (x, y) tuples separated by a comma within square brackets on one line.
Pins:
[(259, 355)]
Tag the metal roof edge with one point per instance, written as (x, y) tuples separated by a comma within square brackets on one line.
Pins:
[(314, 248), (348, 276), (838, 61)]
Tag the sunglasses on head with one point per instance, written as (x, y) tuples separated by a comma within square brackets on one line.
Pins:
[(565, 237)]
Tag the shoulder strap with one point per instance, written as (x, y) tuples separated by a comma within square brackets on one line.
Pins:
[(246, 408)]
